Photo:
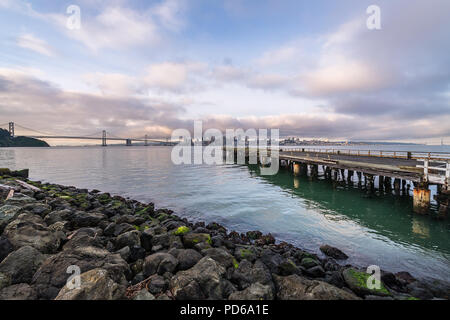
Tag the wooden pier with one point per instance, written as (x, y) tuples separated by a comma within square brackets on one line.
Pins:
[(395, 170)]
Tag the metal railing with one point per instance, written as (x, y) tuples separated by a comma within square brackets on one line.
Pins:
[(409, 155)]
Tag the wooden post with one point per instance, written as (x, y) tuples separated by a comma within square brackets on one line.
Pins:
[(421, 198), (397, 185), (296, 169)]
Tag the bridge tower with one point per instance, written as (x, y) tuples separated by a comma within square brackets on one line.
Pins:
[(104, 138), (146, 142), (128, 142), (11, 129)]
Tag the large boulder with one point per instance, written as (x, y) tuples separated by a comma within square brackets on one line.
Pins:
[(20, 291), (204, 281), (190, 240), (5, 248), (187, 258), (30, 230), (87, 219), (357, 282), (333, 252), (96, 284), (85, 253), (58, 215), (21, 264), (7, 214), (256, 291), (130, 239), (247, 274), (159, 263), (20, 200), (38, 208), (224, 258), (294, 287)]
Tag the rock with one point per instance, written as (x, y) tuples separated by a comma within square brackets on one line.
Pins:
[(294, 287), (5, 248), (265, 240), (58, 215), (87, 219), (192, 239), (316, 272), (124, 253), (7, 214), (162, 240), (157, 284), (357, 282), (21, 264), (335, 278), (288, 267), (254, 235), (187, 258), (159, 263), (224, 258), (136, 253), (130, 239), (272, 260), (40, 209), (5, 280), (427, 287), (20, 200), (333, 252), (256, 291), (114, 230), (20, 291), (247, 253), (30, 230), (52, 275), (204, 280), (308, 263), (247, 274), (96, 284), (144, 295)]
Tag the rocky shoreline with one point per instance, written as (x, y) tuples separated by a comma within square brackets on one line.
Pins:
[(125, 249)]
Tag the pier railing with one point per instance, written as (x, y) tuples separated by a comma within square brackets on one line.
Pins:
[(408, 155)]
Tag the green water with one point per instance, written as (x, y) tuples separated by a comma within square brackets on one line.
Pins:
[(375, 229)]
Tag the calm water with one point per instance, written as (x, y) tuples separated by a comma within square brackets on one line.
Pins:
[(377, 229)]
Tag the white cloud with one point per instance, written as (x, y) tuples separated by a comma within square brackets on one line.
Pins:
[(169, 14), (31, 42)]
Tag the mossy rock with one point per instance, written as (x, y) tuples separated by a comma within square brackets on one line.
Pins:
[(145, 211), (104, 198), (181, 231), (191, 239), (309, 263), (235, 263), (5, 172), (357, 282)]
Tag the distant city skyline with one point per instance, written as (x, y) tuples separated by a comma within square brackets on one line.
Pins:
[(312, 69)]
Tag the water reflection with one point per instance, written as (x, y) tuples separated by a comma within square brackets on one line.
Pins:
[(387, 215)]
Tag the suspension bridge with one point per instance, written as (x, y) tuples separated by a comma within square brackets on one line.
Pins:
[(103, 136)]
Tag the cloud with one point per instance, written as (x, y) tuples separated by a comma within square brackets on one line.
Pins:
[(31, 42), (43, 106)]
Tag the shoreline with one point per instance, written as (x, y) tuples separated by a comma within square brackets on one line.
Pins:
[(128, 249)]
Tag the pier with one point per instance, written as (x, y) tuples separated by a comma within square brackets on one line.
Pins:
[(394, 169), (386, 170)]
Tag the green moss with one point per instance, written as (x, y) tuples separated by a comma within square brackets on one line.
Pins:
[(65, 197), (362, 277), (246, 253), (235, 263), (181, 231), (413, 298)]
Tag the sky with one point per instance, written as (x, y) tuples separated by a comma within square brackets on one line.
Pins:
[(312, 69)]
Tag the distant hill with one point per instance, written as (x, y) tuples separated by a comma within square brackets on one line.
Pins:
[(7, 141)]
